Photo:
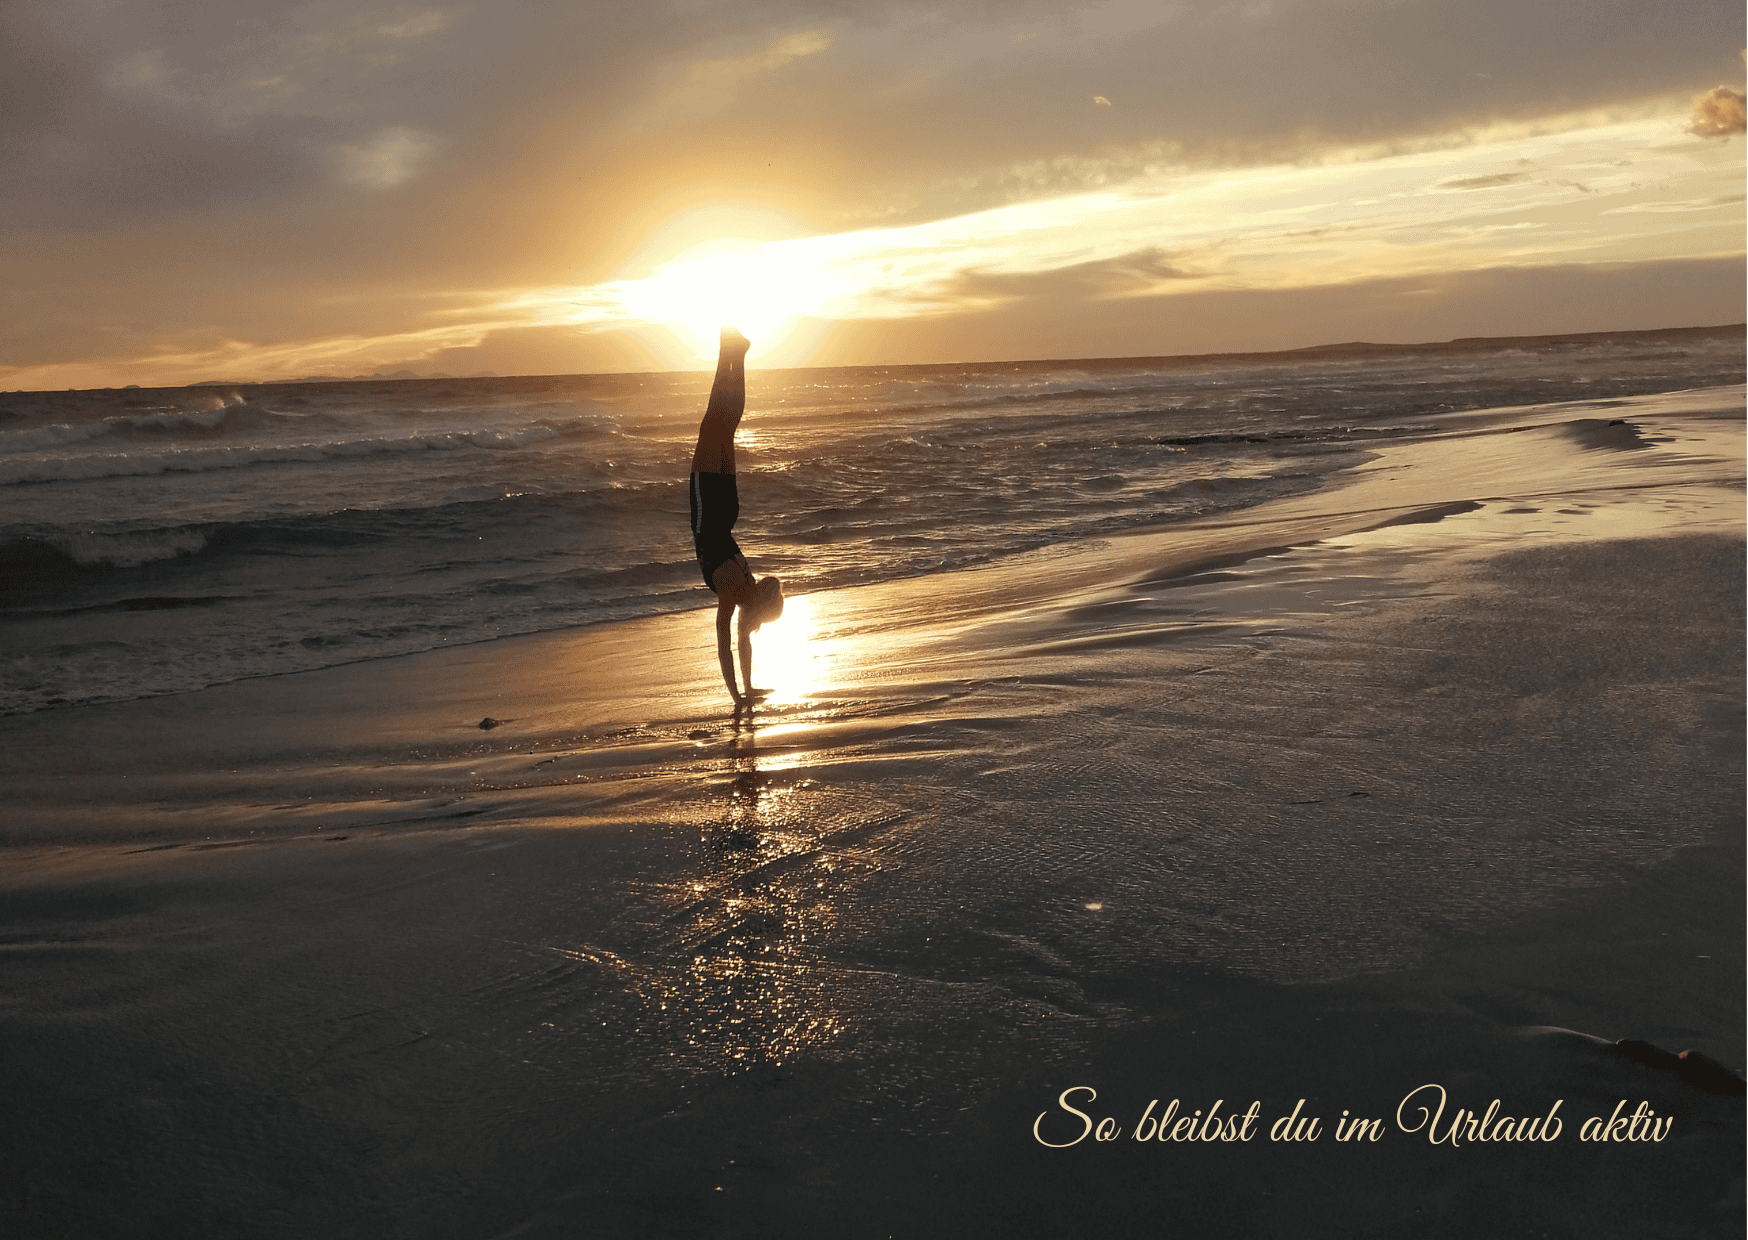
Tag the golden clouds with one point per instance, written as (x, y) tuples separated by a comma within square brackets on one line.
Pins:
[(1718, 113), (1587, 196)]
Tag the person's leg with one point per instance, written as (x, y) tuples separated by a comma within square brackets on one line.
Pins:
[(728, 401), (733, 580)]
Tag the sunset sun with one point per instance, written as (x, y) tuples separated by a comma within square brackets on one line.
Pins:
[(753, 286)]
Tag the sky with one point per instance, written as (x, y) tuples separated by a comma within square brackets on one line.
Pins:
[(266, 190)]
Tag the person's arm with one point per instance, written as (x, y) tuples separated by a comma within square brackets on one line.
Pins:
[(746, 656), (724, 656)]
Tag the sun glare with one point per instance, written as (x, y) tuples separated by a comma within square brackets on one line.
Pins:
[(788, 658), (758, 288)]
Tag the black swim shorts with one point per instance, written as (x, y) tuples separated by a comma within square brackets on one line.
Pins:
[(715, 509)]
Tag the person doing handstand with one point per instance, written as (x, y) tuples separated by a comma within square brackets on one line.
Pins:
[(715, 508)]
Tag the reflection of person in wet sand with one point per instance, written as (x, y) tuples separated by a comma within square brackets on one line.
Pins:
[(715, 507)]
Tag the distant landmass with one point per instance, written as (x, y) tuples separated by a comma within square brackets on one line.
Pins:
[(1463, 344), (396, 374)]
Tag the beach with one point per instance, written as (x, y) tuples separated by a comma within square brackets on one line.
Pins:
[(1423, 771)]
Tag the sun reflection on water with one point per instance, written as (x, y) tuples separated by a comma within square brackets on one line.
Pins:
[(749, 988), (788, 657)]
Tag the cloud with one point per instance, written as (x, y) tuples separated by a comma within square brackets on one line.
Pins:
[(720, 73), (537, 350), (386, 158), (307, 61), (1718, 113), (1483, 182), (136, 111), (1208, 318), (882, 110), (1680, 207), (712, 84), (1270, 227), (1101, 101), (1136, 273)]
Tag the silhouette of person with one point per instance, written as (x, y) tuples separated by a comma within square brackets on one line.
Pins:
[(715, 508)]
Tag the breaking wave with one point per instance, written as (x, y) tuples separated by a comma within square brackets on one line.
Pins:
[(209, 459)]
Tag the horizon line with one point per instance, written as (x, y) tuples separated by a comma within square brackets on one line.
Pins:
[(1356, 347)]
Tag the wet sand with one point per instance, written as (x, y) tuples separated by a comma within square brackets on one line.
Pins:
[(1366, 791)]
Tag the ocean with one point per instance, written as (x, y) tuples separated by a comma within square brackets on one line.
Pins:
[(157, 541)]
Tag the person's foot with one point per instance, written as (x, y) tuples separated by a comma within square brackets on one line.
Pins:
[(733, 343)]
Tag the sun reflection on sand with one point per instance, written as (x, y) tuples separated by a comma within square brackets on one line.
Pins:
[(750, 991)]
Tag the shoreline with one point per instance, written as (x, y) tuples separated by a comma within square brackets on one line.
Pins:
[(1302, 520)]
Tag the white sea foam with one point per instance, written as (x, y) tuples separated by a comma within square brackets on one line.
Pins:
[(129, 549), (203, 459)]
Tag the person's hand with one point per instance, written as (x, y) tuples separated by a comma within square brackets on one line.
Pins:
[(758, 695)]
